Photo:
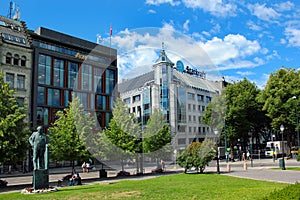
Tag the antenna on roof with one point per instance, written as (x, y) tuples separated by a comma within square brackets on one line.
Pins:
[(14, 12), (163, 46)]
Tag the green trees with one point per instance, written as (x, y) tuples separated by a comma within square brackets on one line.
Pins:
[(278, 102), (197, 155), (14, 131), (66, 134), (130, 137)]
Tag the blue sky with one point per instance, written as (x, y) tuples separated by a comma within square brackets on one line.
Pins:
[(235, 39)]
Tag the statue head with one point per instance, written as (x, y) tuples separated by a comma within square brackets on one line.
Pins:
[(39, 129)]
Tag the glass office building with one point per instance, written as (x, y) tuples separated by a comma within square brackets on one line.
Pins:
[(181, 94), (64, 65)]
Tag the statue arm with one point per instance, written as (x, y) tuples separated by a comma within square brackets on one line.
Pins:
[(31, 139)]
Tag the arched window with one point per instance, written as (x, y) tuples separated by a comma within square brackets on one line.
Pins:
[(16, 59), (8, 58), (23, 61)]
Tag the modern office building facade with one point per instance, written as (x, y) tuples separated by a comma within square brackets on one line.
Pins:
[(64, 66), (16, 59), (182, 94)]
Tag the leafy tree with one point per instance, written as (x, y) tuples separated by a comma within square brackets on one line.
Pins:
[(197, 155), (67, 132), (157, 136), (243, 113), (278, 102), (14, 131), (123, 132)]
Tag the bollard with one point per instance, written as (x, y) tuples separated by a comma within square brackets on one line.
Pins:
[(228, 167), (245, 166)]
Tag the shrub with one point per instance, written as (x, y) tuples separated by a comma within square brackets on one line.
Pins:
[(289, 192)]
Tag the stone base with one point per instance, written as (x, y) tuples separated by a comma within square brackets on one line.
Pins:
[(40, 179)]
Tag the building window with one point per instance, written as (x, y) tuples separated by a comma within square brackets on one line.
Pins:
[(200, 97), (190, 129), (189, 106), (133, 109), (23, 61), (53, 97), (8, 58), (44, 69), (110, 81), (203, 108), (181, 128), (98, 80), (72, 74), (194, 107), (86, 82), (101, 102), (20, 101), (136, 98), (181, 141), (194, 118), (127, 100), (191, 96), (208, 99), (58, 73), (191, 140), (20, 81), (10, 78), (83, 97), (16, 59), (199, 129), (199, 108), (42, 116), (190, 118), (41, 96)]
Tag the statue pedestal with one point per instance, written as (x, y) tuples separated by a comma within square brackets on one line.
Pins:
[(40, 179)]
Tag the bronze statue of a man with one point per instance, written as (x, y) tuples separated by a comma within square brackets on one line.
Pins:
[(38, 141)]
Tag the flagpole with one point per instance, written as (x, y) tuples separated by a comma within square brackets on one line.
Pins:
[(110, 33)]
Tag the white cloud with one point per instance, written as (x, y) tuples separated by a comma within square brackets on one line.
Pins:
[(253, 26), (215, 7), (186, 25), (293, 36), (262, 12), (246, 73), (285, 6), (141, 47), (158, 2), (151, 11)]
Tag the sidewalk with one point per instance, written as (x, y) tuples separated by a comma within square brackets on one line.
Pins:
[(260, 171)]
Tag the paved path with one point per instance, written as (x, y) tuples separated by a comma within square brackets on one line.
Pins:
[(260, 171)]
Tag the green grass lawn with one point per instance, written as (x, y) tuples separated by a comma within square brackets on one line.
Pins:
[(181, 186), (289, 168)]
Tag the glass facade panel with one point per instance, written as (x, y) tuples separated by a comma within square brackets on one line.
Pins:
[(181, 105), (101, 102), (53, 97), (66, 98), (86, 82), (98, 80), (110, 81), (44, 69), (72, 74), (41, 96), (58, 73), (42, 116)]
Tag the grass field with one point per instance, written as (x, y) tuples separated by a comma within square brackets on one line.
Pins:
[(180, 186), (289, 168)]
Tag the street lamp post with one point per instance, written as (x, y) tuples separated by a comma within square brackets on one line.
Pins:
[(298, 142), (218, 164), (283, 164)]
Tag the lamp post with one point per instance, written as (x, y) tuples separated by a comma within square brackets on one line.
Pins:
[(298, 142), (283, 164), (218, 165)]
